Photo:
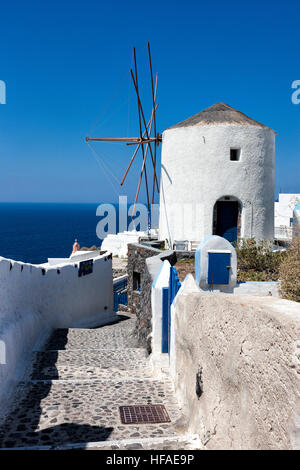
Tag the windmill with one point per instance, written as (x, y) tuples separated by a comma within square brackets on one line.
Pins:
[(148, 139)]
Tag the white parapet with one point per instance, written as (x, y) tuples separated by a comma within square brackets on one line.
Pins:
[(77, 256), (161, 281), (118, 244)]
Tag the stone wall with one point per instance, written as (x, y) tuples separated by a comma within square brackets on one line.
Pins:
[(139, 302), (235, 364)]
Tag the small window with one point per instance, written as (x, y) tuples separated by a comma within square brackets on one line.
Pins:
[(136, 281), (235, 154)]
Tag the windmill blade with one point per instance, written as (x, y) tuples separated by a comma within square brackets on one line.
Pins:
[(147, 190), (144, 169), (153, 102), (136, 150), (136, 78), (143, 116), (139, 112), (152, 86), (155, 145), (138, 188)]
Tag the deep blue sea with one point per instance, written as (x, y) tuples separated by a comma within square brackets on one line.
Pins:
[(34, 232)]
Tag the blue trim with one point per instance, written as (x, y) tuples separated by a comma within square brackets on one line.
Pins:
[(165, 309), (157, 275), (297, 206), (198, 258), (168, 295)]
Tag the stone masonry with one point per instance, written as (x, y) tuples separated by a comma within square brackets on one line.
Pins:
[(139, 302)]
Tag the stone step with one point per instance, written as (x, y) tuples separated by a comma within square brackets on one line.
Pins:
[(56, 413), (116, 336), (178, 442), (89, 364)]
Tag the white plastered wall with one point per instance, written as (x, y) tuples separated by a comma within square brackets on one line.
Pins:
[(196, 171)]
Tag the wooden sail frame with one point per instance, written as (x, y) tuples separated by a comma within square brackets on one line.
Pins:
[(145, 140)]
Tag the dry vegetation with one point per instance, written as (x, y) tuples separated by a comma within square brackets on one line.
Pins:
[(185, 267), (289, 272), (257, 261)]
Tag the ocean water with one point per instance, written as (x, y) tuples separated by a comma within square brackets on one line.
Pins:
[(34, 232)]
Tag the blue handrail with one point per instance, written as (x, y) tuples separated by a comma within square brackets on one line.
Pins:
[(168, 295)]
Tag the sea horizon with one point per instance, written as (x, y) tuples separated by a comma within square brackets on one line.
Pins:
[(32, 232)]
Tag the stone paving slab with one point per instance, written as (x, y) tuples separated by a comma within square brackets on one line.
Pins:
[(93, 364), (115, 336), (78, 383), (62, 412)]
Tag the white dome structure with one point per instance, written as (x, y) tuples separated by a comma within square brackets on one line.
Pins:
[(217, 177)]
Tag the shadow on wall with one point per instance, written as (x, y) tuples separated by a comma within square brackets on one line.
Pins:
[(21, 427)]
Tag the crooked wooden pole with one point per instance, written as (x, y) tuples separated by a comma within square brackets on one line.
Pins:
[(143, 116), (152, 87), (115, 139), (141, 132), (139, 185), (136, 150), (153, 101)]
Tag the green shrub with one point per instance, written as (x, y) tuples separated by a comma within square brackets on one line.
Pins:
[(256, 260), (289, 272)]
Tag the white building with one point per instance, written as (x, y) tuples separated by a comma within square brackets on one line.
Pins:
[(283, 221), (117, 244), (217, 177), (296, 220)]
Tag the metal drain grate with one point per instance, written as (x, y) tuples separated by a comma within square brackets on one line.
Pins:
[(144, 414)]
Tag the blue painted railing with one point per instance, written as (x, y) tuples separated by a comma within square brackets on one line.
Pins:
[(120, 298), (168, 295), (120, 293), (120, 285)]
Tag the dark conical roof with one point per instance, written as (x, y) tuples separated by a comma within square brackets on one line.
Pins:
[(219, 113)]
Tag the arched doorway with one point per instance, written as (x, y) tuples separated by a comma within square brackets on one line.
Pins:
[(227, 218)]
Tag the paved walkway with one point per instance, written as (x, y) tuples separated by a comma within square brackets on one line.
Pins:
[(76, 386)]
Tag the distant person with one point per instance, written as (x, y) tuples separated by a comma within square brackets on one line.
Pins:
[(76, 246)]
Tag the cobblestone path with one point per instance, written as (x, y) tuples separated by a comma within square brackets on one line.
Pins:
[(76, 386)]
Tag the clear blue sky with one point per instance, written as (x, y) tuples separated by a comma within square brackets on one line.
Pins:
[(64, 61)]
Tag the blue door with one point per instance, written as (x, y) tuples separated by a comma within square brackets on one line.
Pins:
[(227, 220), (218, 268)]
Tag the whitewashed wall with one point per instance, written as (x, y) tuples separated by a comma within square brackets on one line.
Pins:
[(118, 243), (196, 171), (283, 220), (32, 304), (284, 209)]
